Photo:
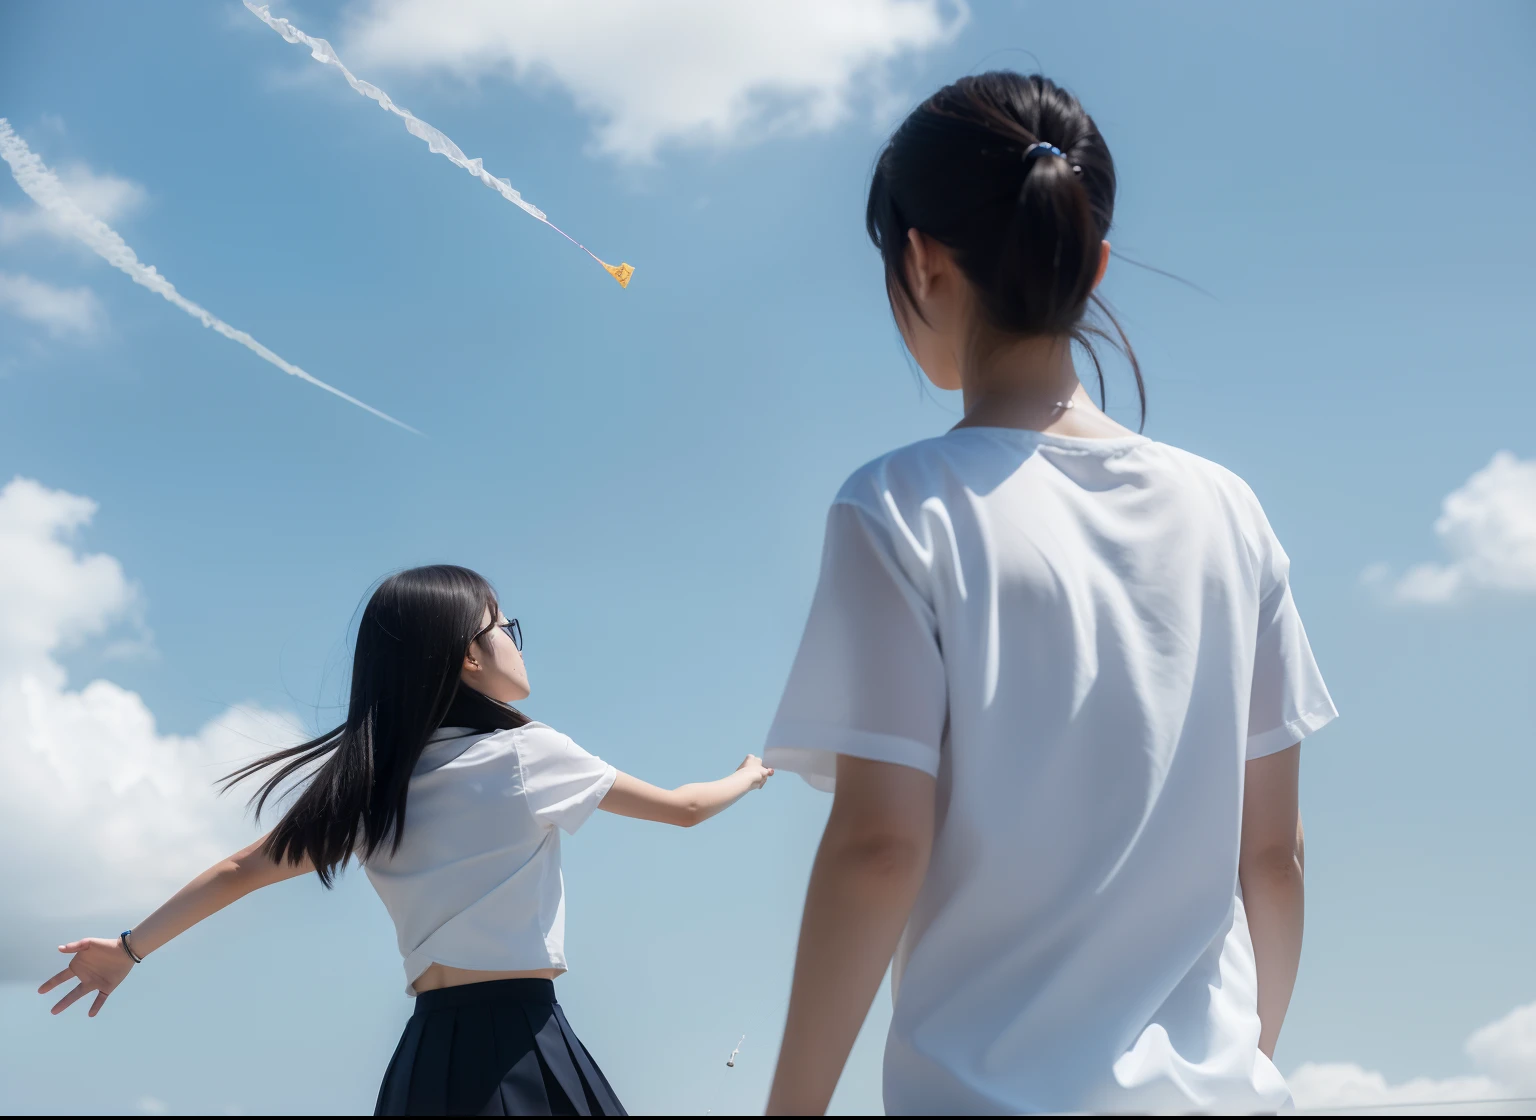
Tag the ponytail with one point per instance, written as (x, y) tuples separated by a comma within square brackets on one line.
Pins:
[(1010, 173), (1051, 245)]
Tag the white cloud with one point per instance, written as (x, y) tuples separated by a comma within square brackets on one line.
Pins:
[(1488, 527), (1326, 1085), (108, 197), (103, 815), (61, 311), (1506, 1049), (669, 71), (1504, 1053)]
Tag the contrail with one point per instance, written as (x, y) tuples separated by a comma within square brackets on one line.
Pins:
[(35, 177), (322, 51)]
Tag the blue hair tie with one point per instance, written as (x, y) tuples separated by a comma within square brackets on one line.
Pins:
[(1036, 150)]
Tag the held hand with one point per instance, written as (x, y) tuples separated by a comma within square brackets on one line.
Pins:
[(756, 770), (100, 964)]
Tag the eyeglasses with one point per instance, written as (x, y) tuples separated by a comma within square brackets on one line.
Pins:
[(510, 628)]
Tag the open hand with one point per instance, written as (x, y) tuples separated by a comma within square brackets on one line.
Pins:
[(755, 768), (100, 964)]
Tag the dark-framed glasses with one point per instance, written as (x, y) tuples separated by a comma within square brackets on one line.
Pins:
[(510, 628)]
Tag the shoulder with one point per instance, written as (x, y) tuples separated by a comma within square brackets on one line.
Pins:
[(1198, 466), (907, 475), (1221, 481), (1238, 502), (497, 747), (532, 731), (537, 744), (532, 737)]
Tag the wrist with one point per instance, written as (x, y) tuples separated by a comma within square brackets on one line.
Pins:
[(127, 947)]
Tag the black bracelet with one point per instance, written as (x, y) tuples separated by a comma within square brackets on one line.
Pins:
[(122, 939)]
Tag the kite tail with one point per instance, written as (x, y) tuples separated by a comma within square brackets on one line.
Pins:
[(436, 141)]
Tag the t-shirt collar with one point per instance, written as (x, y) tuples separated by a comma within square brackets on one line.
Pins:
[(442, 734)]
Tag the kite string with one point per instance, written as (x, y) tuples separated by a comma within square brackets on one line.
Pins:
[(40, 183), (436, 141), (1428, 1103)]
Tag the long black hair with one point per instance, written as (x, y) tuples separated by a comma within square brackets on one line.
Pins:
[(411, 643), (1026, 227)]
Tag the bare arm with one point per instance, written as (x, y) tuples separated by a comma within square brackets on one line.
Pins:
[(1270, 870), (872, 860), (686, 805), (100, 964)]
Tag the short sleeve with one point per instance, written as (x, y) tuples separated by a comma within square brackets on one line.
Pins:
[(868, 679), (1289, 700), (561, 782)]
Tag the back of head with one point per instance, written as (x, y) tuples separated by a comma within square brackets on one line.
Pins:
[(1010, 173), (411, 643)]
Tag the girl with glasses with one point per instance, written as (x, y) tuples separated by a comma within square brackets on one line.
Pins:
[(1055, 677), (453, 802)]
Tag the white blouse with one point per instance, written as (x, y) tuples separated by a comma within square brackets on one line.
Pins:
[(1084, 641), (476, 881)]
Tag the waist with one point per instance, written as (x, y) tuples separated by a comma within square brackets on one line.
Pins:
[(438, 975), (526, 989)]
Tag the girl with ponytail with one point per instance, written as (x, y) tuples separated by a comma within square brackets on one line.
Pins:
[(453, 801), (1055, 678)]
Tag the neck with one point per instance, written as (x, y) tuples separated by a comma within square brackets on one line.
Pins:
[(1022, 381), (1024, 384), (472, 708)]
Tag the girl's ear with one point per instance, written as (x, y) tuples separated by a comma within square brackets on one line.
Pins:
[(919, 264), (1103, 263)]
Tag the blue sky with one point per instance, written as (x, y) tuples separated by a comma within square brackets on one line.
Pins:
[(644, 474)]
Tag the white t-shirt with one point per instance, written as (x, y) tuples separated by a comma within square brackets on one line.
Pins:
[(1084, 641), (476, 881)]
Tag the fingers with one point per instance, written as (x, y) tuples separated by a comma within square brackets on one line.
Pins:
[(101, 998), (74, 946), (78, 991), (54, 981), (752, 762)]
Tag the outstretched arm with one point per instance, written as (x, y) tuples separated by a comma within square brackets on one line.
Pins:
[(1269, 868), (100, 964), (872, 861), (686, 805)]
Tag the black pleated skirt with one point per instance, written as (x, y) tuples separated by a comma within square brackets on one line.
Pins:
[(501, 1048)]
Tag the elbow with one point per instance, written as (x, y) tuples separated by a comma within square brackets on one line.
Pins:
[(882, 857), (688, 813), (1280, 864)]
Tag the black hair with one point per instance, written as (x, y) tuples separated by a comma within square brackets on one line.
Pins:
[(1026, 227), (411, 644)]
